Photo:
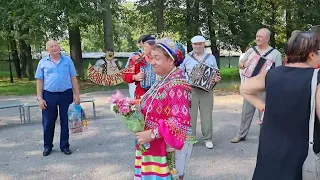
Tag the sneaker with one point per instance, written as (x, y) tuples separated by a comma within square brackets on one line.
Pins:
[(209, 144)]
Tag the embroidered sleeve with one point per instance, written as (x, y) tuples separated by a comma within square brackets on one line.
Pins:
[(127, 74), (175, 127)]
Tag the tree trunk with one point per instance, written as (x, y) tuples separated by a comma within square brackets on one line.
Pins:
[(196, 17), (159, 15), (15, 57), (273, 24), (75, 48), (29, 62), (212, 33), (107, 24), (288, 22), (23, 57), (192, 18), (189, 22)]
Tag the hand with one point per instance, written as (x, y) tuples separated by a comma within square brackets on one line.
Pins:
[(42, 104), (138, 77), (241, 65), (217, 78), (76, 99), (144, 137)]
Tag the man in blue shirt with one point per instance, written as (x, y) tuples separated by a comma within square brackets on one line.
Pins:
[(201, 99), (57, 87)]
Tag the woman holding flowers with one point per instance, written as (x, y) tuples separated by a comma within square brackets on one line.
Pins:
[(165, 108)]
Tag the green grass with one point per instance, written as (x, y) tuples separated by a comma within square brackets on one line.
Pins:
[(229, 74), (21, 87), (230, 87)]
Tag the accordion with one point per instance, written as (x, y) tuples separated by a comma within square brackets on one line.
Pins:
[(202, 76), (258, 64), (149, 76)]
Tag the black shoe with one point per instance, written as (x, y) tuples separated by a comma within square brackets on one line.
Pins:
[(46, 151), (66, 151)]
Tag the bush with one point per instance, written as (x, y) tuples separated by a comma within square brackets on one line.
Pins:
[(229, 74)]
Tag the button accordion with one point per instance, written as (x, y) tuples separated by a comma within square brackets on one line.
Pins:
[(149, 76), (258, 63), (202, 76)]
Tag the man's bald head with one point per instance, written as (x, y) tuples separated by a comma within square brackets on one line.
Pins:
[(53, 47), (263, 37), (51, 43), (316, 29), (266, 31)]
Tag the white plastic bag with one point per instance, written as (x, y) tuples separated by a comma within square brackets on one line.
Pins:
[(76, 116)]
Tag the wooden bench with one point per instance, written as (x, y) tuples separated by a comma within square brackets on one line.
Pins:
[(36, 104), (13, 104)]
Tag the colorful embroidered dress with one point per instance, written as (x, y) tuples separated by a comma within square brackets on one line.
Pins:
[(168, 104)]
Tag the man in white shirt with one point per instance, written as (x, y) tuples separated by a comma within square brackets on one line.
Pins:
[(262, 47), (201, 100)]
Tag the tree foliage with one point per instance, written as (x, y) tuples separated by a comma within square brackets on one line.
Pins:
[(228, 24)]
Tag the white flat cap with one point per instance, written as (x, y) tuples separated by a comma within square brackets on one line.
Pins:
[(198, 39)]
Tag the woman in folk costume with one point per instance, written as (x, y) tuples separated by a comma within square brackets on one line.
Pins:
[(132, 73), (165, 107)]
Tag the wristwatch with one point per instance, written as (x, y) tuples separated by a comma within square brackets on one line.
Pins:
[(39, 98)]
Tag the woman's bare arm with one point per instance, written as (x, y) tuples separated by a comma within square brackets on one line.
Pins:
[(251, 88)]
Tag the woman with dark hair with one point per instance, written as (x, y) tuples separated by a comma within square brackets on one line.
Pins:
[(283, 141), (166, 110), (133, 74)]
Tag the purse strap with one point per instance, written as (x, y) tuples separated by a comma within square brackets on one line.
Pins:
[(312, 105)]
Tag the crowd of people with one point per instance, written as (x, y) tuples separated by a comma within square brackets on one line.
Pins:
[(279, 91)]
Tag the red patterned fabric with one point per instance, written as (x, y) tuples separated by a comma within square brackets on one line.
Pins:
[(134, 68)]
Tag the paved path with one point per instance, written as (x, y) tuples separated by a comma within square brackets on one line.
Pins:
[(106, 150)]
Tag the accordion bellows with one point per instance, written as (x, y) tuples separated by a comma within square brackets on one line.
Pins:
[(149, 76), (257, 64), (202, 77)]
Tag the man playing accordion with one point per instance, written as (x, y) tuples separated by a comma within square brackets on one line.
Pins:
[(201, 99), (256, 59)]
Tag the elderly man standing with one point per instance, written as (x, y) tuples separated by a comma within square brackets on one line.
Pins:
[(263, 49), (201, 100), (57, 87)]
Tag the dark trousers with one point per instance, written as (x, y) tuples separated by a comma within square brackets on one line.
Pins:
[(50, 114)]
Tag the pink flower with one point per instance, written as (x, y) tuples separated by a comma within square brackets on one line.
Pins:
[(122, 102), (124, 110), (116, 97)]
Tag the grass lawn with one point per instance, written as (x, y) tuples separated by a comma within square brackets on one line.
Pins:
[(20, 87)]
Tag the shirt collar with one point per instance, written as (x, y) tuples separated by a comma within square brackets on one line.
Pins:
[(49, 59), (203, 55)]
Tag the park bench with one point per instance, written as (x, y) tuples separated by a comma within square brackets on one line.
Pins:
[(14, 104), (27, 107)]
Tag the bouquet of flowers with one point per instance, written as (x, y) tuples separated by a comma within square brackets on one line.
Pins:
[(126, 109)]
